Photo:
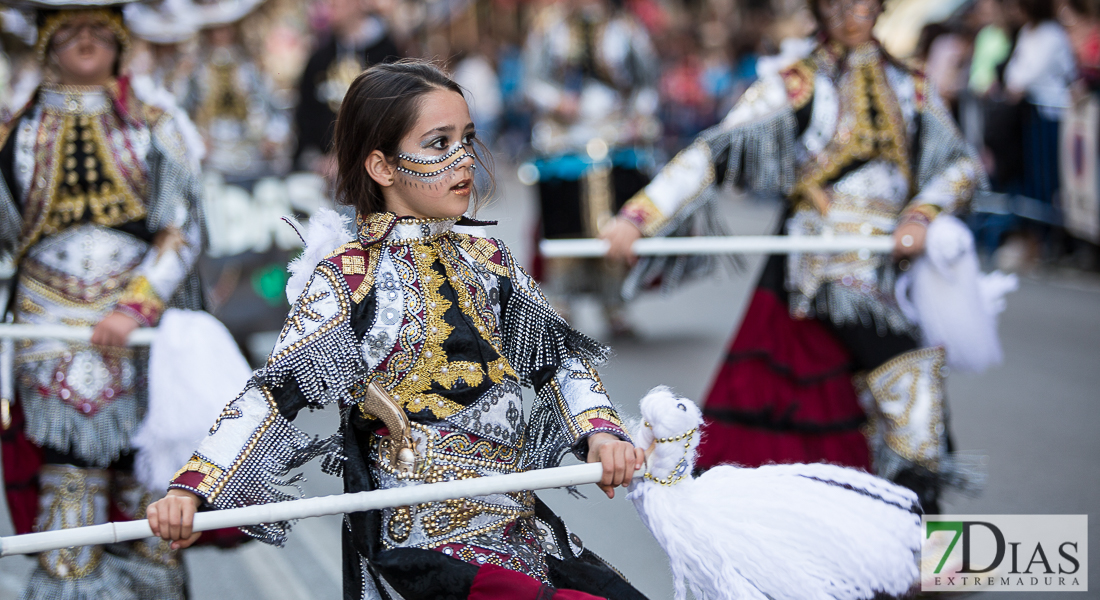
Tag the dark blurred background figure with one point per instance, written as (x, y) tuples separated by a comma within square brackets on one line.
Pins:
[(356, 37), (591, 75), (1039, 73)]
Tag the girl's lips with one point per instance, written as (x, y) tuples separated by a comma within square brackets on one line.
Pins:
[(463, 187)]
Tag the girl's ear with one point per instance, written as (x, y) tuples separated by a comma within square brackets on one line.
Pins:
[(380, 169)]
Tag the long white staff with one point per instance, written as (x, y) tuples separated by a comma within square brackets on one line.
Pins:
[(139, 337), (736, 244), (110, 533)]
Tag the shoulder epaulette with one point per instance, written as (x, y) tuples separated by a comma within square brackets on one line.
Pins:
[(357, 265), (798, 79), (488, 252)]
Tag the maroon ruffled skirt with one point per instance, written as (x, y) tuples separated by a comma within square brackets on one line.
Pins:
[(784, 393)]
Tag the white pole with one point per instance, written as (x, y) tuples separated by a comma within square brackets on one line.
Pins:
[(143, 336), (738, 244), (111, 533)]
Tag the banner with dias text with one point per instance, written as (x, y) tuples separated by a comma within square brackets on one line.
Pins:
[(1004, 553)]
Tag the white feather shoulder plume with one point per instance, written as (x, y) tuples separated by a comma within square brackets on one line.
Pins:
[(326, 231), (778, 532)]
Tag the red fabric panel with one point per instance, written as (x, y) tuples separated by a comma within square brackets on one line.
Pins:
[(497, 583), (785, 372), (22, 459)]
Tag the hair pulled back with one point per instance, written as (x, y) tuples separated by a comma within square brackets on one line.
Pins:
[(381, 106)]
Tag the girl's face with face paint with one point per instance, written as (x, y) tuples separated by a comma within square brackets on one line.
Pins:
[(433, 175)]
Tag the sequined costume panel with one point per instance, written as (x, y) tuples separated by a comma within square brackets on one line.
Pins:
[(452, 328), (78, 398)]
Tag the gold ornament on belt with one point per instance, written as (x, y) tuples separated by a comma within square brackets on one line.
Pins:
[(378, 403)]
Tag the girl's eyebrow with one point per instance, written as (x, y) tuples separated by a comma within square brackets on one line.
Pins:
[(443, 129), (447, 129)]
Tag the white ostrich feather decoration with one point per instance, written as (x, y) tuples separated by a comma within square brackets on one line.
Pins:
[(954, 303), (778, 532), (326, 231), (195, 369)]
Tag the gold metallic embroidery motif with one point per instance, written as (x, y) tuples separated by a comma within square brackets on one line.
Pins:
[(341, 315), (410, 392), (140, 292), (351, 264), (482, 250), (211, 473), (108, 197)]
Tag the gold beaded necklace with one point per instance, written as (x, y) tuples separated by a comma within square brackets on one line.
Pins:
[(680, 471)]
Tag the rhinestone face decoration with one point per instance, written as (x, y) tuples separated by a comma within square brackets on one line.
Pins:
[(421, 166)]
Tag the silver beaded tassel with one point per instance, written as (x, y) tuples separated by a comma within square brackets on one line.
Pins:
[(98, 439), (761, 156), (326, 367), (762, 153), (265, 475), (535, 337)]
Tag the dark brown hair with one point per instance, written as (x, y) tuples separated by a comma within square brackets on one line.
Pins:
[(1037, 11), (815, 8), (379, 109)]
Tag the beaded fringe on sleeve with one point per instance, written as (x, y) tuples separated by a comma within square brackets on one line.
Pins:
[(317, 345), (248, 456), (535, 337)]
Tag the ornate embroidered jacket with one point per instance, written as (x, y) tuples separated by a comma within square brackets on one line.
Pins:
[(451, 327), (857, 141), (99, 212)]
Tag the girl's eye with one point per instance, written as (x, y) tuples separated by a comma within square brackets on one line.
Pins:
[(439, 144), (468, 139)]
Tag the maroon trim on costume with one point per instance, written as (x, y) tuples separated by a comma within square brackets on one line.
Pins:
[(784, 394), (145, 314), (497, 583), (189, 479), (353, 281), (605, 425)]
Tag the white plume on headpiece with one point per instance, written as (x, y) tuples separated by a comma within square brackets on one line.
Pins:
[(781, 532), (326, 231)]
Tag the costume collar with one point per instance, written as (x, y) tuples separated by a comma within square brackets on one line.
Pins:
[(76, 100), (834, 57), (389, 228)]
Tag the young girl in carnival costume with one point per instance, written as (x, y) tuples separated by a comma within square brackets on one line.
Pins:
[(860, 144), (99, 226), (421, 336)]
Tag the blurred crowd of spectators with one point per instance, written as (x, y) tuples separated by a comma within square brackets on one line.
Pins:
[(1018, 75)]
